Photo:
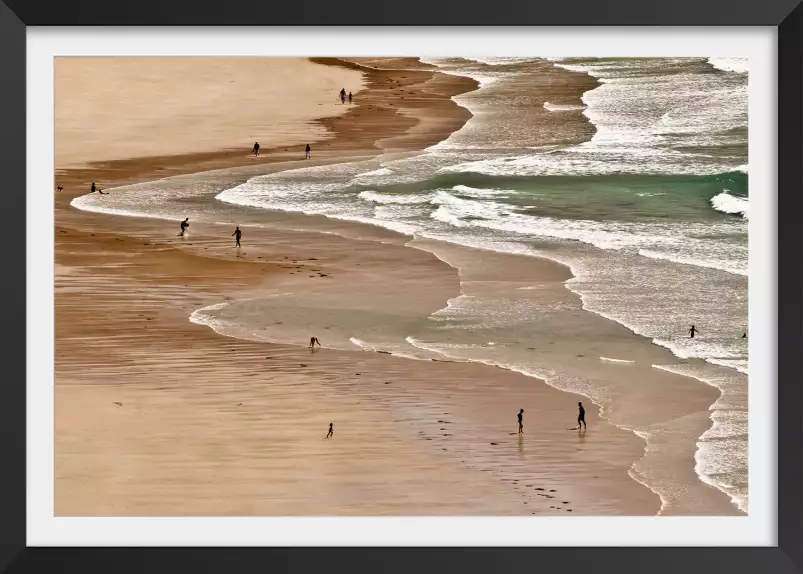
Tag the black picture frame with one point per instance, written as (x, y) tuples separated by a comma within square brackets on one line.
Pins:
[(16, 15)]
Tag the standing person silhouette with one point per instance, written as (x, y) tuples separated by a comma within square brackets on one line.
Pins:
[(184, 225), (520, 416), (343, 96), (331, 430), (349, 97), (692, 332), (237, 234), (308, 151), (312, 341), (581, 416), (256, 149)]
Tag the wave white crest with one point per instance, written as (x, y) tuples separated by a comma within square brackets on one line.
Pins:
[(727, 203), (383, 198), (737, 65)]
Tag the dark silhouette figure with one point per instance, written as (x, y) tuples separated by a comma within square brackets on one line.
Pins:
[(520, 416), (313, 341), (693, 331), (59, 188), (256, 149), (343, 96), (331, 430), (581, 416), (237, 234), (184, 225), (308, 151), (349, 97), (744, 336), (94, 189)]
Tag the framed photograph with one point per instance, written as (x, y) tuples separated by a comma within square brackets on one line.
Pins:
[(449, 286)]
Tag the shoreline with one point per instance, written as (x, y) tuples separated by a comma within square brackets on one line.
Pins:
[(223, 159)]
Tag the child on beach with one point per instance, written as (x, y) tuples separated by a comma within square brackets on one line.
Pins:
[(237, 234), (256, 149), (331, 430), (581, 416), (184, 225), (521, 422), (349, 97), (308, 150)]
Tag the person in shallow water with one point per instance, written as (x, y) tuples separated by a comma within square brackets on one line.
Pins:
[(308, 150), (312, 341), (331, 430), (520, 416), (581, 416), (184, 225), (343, 96), (693, 331), (256, 149), (237, 234), (100, 191)]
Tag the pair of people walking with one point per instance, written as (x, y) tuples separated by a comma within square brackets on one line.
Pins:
[(581, 418), (186, 223)]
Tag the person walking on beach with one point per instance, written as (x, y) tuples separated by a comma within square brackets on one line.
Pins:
[(520, 416), (312, 341), (349, 97), (184, 225), (237, 234), (581, 416), (256, 149), (331, 430), (308, 151), (693, 331), (343, 96)]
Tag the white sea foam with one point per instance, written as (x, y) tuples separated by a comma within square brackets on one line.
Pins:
[(393, 199), (609, 360), (731, 64), (727, 203)]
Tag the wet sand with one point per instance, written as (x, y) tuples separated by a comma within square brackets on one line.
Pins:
[(159, 416)]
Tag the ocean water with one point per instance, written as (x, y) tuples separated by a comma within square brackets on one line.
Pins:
[(638, 182)]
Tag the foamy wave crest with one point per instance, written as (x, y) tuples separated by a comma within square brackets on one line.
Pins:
[(562, 107), (727, 203), (361, 344), (737, 65), (383, 198), (480, 192)]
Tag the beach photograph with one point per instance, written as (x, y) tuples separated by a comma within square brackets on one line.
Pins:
[(401, 286)]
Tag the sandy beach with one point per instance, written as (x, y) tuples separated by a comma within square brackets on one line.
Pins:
[(160, 416)]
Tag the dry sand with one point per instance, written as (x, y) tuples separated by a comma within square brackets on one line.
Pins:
[(159, 416)]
